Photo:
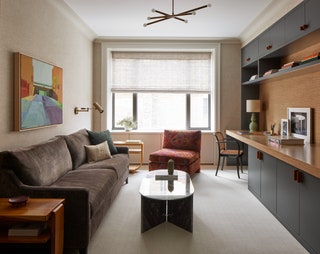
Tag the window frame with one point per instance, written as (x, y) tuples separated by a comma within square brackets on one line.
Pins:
[(107, 47)]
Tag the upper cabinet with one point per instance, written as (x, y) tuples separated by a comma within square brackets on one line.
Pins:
[(312, 8), (271, 39), (263, 57), (250, 53)]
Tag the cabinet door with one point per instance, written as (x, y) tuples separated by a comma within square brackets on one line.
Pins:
[(269, 181), (287, 196), (310, 211), (253, 171), (271, 39), (312, 14), (293, 21), (250, 53)]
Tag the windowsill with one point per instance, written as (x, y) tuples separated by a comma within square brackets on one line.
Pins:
[(148, 132)]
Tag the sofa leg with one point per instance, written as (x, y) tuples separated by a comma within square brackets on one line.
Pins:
[(127, 180)]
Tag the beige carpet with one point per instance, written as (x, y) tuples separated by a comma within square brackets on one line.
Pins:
[(227, 219)]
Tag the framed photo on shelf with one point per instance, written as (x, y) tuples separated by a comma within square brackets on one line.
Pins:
[(300, 121), (285, 128)]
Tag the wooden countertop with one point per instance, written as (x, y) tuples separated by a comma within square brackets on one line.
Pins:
[(305, 157)]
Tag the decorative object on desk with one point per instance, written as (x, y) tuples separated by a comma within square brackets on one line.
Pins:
[(286, 140), (18, 200), (253, 77), (38, 99), (272, 129), (301, 123), (267, 73), (285, 132), (170, 166), (128, 123), (253, 106), (96, 106)]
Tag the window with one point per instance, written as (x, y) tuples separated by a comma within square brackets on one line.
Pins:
[(162, 90)]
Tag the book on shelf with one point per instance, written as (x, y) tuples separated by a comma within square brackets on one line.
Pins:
[(270, 72), (26, 229), (310, 58), (289, 65), (286, 140)]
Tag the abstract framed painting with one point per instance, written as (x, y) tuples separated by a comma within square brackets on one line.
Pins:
[(301, 123), (37, 93)]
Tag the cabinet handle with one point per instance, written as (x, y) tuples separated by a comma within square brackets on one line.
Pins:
[(269, 47), (304, 27), (297, 176), (259, 155), (248, 59)]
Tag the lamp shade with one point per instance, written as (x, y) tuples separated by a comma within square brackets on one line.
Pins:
[(253, 105)]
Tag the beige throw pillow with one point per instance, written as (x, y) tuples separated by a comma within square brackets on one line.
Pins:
[(98, 152)]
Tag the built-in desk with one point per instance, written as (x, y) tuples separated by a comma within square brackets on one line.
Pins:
[(285, 179), (305, 157)]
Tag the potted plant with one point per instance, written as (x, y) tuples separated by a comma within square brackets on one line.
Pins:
[(128, 123)]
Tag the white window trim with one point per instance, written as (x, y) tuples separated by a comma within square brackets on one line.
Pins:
[(176, 45)]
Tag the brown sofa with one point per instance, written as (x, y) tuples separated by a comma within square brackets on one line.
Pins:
[(58, 168)]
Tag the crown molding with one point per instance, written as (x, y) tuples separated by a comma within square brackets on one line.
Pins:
[(271, 14)]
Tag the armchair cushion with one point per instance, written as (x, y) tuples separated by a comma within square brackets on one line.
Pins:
[(184, 140), (182, 157)]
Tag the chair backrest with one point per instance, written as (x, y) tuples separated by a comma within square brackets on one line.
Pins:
[(220, 140), (182, 139)]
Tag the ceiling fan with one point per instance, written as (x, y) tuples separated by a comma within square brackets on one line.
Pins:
[(165, 16)]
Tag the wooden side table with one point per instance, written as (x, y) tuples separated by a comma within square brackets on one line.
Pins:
[(50, 211), (135, 147)]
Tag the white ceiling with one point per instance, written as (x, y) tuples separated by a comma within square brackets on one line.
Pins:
[(125, 18)]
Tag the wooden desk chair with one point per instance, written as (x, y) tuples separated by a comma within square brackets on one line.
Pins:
[(224, 151)]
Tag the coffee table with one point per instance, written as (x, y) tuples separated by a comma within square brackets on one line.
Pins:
[(166, 200)]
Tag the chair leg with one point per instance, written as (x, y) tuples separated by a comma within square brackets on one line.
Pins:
[(223, 161), (238, 162), (218, 165), (241, 164)]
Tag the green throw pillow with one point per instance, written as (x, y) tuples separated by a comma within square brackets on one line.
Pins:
[(99, 137)]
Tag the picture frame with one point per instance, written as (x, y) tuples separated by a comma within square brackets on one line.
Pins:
[(38, 96), (300, 122), (285, 130)]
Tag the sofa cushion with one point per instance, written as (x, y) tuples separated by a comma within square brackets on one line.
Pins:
[(185, 140), (182, 157), (98, 152), (98, 182), (118, 163), (41, 164), (99, 137), (76, 142)]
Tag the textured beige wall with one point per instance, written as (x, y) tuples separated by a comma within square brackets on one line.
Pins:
[(230, 87), (49, 31)]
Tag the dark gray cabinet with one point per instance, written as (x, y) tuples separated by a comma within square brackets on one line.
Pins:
[(250, 53), (294, 21), (253, 172), (289, 193), (312, 8), (310, 211), (269, 181), (272, 39), (287, 197)]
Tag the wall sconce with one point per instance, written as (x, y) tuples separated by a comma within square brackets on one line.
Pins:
[(96, 106), (253, 106)]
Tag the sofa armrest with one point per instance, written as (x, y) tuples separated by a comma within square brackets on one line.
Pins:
[(123, 149), (77, 211)]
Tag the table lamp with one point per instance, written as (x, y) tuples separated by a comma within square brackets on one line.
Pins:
[(253, 106)]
